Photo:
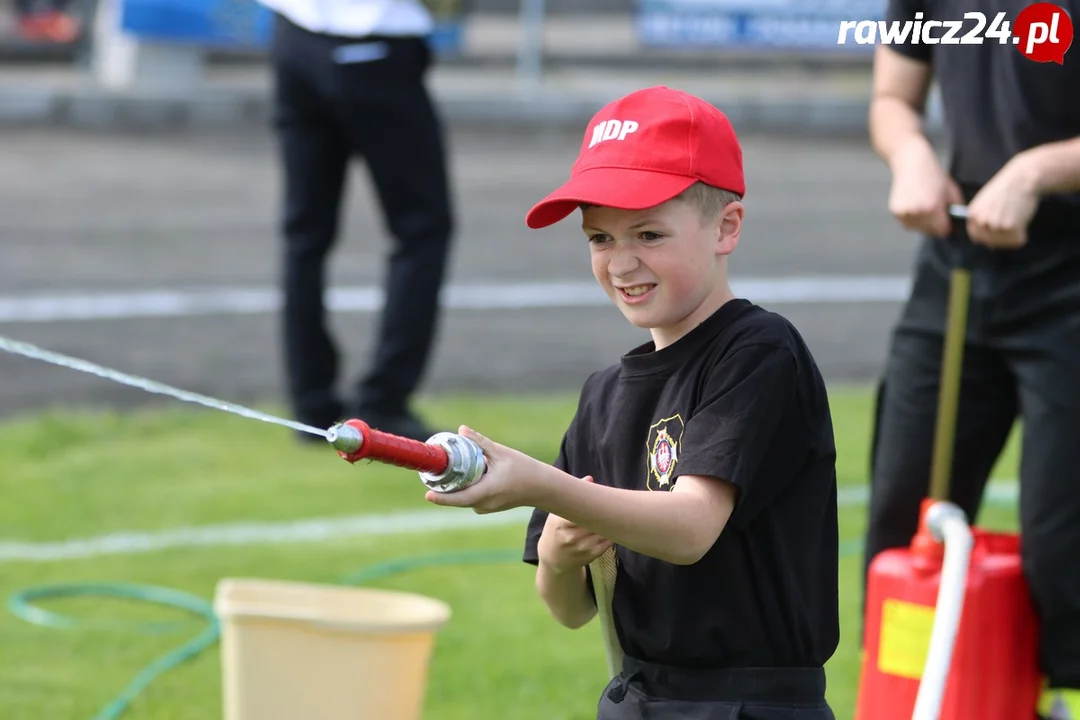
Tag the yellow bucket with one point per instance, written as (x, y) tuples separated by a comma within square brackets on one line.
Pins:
[(301, 651)]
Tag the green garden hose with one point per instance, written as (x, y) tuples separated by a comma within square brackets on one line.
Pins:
[(21, 604)]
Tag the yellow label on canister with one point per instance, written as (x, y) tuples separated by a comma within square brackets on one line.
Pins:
[(905, 638)]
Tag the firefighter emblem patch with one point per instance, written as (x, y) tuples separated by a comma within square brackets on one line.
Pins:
[(662, 452)]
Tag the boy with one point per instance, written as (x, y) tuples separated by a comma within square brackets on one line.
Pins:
[(707, 453)]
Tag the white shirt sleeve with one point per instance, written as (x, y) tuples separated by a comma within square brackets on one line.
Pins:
[(357, 18)]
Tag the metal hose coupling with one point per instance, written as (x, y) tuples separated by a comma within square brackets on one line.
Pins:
[(345, 438), (940, 514), (465, 463)]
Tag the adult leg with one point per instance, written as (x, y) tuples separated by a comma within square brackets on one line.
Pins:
[(905, 430), (907, 414), (314, 155), (393, 123), (1050, 523), (1044, 351)]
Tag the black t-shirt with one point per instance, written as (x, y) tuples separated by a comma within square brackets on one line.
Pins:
[(740, 398), (997, 103)]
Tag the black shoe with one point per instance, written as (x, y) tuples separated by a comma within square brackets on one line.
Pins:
[(405, 424)]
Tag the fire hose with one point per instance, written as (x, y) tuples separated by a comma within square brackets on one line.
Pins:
[(948, 525)]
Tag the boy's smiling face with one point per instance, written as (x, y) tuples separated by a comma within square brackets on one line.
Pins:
[(664, 267)]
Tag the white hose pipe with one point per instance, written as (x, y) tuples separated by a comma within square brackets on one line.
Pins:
[(947, 523)]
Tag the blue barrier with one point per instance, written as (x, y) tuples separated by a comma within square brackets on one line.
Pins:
[(229, 24), (232, 24), (766, 24)]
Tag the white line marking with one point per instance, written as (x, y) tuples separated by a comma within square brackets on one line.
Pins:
[(485, 296), (323, 529), (998, 492), (296, 531)]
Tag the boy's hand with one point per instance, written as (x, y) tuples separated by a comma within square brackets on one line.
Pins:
[(565, 547), (510, 480)]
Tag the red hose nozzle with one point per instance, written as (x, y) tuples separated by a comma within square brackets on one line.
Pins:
[(447, 462), (355, 440)]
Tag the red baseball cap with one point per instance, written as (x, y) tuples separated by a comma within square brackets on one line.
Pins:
[(642, 150)]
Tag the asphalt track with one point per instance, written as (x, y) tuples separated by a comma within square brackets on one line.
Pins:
[(84, 213)]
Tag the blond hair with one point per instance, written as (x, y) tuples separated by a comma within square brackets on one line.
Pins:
[(708, 200)]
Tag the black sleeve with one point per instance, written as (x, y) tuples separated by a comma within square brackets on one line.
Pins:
[(564, 462), (901, 11), (734, 426), (532, 536), (539, 517)]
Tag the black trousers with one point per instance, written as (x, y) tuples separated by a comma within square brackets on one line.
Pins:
[(335, 99), (1021, 358), (646, 691)]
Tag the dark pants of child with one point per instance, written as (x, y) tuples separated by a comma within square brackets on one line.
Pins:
[(646, 691)]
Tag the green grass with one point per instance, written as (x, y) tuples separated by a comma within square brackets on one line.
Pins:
[(501, 656)]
